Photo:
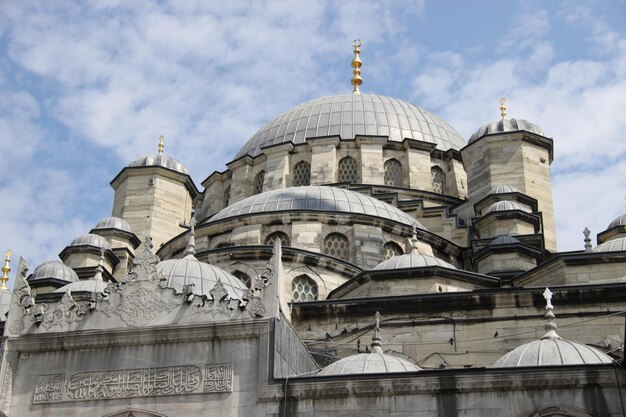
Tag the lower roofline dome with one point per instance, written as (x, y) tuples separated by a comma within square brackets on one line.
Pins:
[(55, 270), (506, 125), (348, 115), (412, 260), (613, 245), (90, 239), (114, 223), (315, 198), (548, 352), (164, 161), (85, 285), (369, 363), (618, 221)]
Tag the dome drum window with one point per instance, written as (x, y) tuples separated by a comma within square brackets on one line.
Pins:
[(258, 182), (270, 240), (348, 171), (226, 196), (301, 174), (393, 173), (303, 288), (438, 178), (337, 245), (392, 249)]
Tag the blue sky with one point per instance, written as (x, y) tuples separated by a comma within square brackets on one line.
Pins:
[(88, 86)]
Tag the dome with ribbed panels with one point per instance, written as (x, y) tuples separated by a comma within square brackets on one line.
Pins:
[(552, 352), (413, 260), (164, 161), (505, 188), (53, 270), (369, 363), (189, 270), (114, 223), (315, 198), (349, 115), (506, 125), (614, 245), (90, 239), (505, 205), (618, 221)]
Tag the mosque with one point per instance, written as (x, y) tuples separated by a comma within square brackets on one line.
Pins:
[(357, 258)]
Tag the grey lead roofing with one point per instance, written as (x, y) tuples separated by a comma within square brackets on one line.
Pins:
[(348, 115), (552, 352), (506, 125), (164, 161), (315, 198), (369, 363)]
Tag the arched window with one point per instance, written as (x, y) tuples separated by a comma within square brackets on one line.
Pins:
[(303, 288), (258, 182), (392, 249), (438, 179), (302, 174), (243, 277), (348, 171), (393, 173), (226, 196), (271, 239), (337, 245)]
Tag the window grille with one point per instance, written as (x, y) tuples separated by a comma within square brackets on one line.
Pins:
[(258, 182), (393, 173), (302, 174), (243, 277), (438, 179), (226, 196), (303, 288), (271, 239), (337, 245), (392, 249), (348, 171)]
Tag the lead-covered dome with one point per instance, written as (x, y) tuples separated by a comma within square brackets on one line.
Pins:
[(614, 245), (618, 221), (90, 239), (116, 223), (369, 363), (86, 285), (506, 125), (164, 161), (348, 115), (315, 198), (505, 205), (53, 270), (552, 352)]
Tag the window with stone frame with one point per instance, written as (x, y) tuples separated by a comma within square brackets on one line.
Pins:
[(337, 245), (270, 240), (348, 171), (392, 249), (258, 182), (303, 288), (302, 174), (438, 178), (226, 196), (393, 173), (243, 277)]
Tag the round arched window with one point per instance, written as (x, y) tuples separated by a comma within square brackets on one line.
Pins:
[(348, 171), (301, 174), (303, 288), (270, 240), (392, 249), (393, 173), (337, 245)]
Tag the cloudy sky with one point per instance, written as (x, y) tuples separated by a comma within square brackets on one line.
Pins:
[(88, 86)]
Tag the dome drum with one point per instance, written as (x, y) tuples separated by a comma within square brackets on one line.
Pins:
[(615, 229), (506, 222), (50, 275)]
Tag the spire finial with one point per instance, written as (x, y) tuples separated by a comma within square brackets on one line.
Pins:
[(100, 267), (550, 325), (586, 233), (414, 240), (191, 242), (356, 64), (6, 269), (376, 342), (161, 144), (502, 108)]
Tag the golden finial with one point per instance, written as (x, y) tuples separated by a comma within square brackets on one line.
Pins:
[(161, 144), (356, 64), (6, 269), (502, 108)]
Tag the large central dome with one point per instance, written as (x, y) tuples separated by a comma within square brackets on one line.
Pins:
[(348, 115)]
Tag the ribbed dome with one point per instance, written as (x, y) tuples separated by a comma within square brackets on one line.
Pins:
[(114, 223), (412, 260), (189, 270), (369, 363), (160, 160), (614, 245), (503, 240), (501, 189), (90, 239), (506, 125), (54, 270), (348, 115), (315, 198), (618, 221), (552, 352), (505, 205), (86, 285)]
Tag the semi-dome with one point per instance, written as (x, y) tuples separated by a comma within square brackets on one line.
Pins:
[(53, 270), (618, 221), (505, 188), (348, 115), (506, 125), (90, 239), (164, 161), (86, 285), (189, 270), (316, 198), (114, 223), (505, 205), (614, 245)]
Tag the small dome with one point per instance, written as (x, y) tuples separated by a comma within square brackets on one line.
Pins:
[(412, 260), (348, 115), (547, 352), (614, 245), (160, 160), (505, 205), (618, 221), (114, 223), (503, 240), (189, 270), (501, 189), (54, 270), (316, 198), (506, 125), (86, 285), (369, 363), (90, 239)]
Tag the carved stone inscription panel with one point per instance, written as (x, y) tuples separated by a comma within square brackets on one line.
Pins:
[(138, 382)]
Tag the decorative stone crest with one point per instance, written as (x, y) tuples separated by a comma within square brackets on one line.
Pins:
[(64, 312)]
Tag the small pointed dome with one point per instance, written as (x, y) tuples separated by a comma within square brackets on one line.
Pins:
[(506, 125), (85, 285), (505, 205), (113, 223), (618, 221), (90, 239), (614, 245), (414, 259), (53, 270), (164, 161), (505, 188)]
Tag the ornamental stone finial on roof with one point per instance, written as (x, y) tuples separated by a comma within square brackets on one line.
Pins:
[(586, 233), (100, 267), (550, 325), (376, 341), (414, 241), (191, 242)]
